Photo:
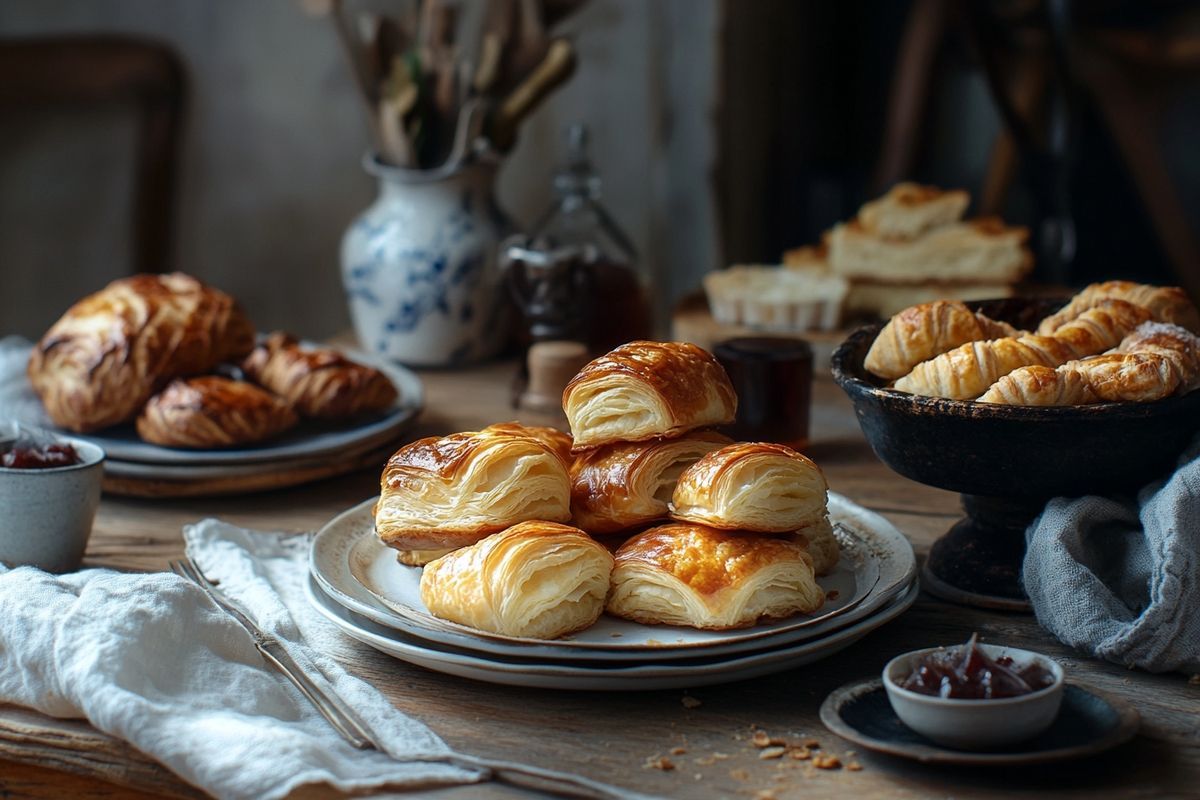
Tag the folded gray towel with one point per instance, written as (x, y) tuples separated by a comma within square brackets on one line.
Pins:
[(1120, 577)]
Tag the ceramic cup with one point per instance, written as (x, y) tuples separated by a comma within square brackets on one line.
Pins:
[(974, 724), (46, 514)]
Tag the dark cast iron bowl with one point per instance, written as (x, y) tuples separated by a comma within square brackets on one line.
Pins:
[(1007, 460)]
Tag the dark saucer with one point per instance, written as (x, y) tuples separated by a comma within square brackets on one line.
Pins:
[(1088, 723)]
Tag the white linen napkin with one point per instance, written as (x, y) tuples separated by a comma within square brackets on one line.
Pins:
[(152, 660)]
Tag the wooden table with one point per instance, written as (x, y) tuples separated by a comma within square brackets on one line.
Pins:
[(611, 736)]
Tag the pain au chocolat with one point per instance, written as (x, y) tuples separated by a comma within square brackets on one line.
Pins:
[(99, 364), (629, 484), (647, 390), (212, 411), (318, 382), (752, 486), (701, 577), (448, 492), (536, 579)]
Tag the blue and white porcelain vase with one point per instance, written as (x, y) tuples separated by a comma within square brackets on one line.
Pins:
[(420, 266)]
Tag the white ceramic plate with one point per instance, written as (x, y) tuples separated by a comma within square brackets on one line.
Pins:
[(877, 564), (308, 440), (606, 676)]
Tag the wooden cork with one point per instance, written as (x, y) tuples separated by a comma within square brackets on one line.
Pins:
[(551, 367)]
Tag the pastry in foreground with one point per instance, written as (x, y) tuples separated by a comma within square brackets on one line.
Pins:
[(442, 493), (752, 486), (553, 438), (820, 543), (99, 364), (318, 382), (628, 484), (647, 390), (212, 411), (538, 579), (693, 575)]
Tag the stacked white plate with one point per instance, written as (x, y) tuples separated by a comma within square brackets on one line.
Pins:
[(357, 583)]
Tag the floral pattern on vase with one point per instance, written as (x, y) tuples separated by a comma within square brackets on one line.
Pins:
[(420, 266)]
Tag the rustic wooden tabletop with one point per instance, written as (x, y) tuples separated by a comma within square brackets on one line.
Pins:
[(617, 737)]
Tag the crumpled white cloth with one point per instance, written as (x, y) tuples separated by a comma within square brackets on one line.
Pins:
[(1120, 577), (150, 659)]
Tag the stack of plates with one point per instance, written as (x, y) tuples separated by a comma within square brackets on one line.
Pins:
[(358, 585)]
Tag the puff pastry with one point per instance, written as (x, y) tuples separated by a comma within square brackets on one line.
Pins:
[(751, 486), (211, 411), (1172, 341), (1165, 304), (910, 209), (967, 371), (921, 332), (537, 579), (1131, 377), (99, 364), (419, 558), (553, 438), (318, 382), (1041, 386), (693, 575), (646, 390), (820, 544), (628, 484), (448, 492)]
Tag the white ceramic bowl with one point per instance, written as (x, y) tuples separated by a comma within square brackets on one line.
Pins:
[(46, 514), (975, 724)]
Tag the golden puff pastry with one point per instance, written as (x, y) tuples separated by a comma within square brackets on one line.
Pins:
[(921, 332), (647, 390), (820, 543), (628, 484), (751, 486), (910, 209), (1173, 341), (99, 364), (448, 492), (553, 438), (1132, 377), (318, 382), (1041, 386), (1164, 303), (538, 580), (211, 411), (419, 558), (693, 575)]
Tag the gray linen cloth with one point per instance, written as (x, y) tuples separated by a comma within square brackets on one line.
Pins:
[(1120, 577)]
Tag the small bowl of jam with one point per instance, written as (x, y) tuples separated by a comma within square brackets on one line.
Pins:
[(49, 492), (974, 696)]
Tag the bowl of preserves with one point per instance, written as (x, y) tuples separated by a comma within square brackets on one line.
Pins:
[(975, 696), (49, 492)]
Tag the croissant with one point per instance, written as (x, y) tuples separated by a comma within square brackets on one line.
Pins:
[(1165, 304), (968, 370), (1179, 345), (627, 484), (1041, 386), (921, 332), (537, 579), (647, 390), (693, 575), (820, 544), (99, 364), (211, 411), (450, 492), (751, 486), (318, 382), (1131, 377)]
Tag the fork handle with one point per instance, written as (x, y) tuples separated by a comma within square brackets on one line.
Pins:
[(331, 707)]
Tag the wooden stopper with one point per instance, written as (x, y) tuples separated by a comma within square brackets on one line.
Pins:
[(551, 367)]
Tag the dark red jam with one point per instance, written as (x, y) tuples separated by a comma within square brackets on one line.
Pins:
[(45, 456), (968, 673)]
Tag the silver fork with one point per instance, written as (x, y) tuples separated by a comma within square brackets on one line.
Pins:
[(339, 715)]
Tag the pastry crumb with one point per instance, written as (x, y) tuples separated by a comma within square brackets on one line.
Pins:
[(739, 774), (771, 752), (832, 594), (854, 766), (763, 739), (801, 753), (811, 744), (689, 701), (678, 751), (765, 794), (659, 762), (827, 762)]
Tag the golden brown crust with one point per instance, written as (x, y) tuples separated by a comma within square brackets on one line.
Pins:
[(1041, 386), (627, 484), (688, 574), (211, 411), (448, 492), (647, 390), (910, 209), (1131, 377), (921, 332), (751, 486), (1164, 304), (99, 364), (553, 438), (318, 382)]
